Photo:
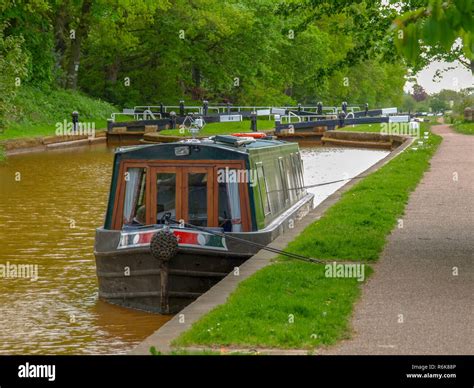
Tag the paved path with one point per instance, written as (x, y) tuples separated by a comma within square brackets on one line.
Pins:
[(414, 281)]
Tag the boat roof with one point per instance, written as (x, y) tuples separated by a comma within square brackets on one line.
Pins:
[(244, 147)]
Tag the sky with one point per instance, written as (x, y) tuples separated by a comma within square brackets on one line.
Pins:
[(458, 78)]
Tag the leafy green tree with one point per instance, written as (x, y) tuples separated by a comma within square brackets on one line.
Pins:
[(243, 51), (433, 29), (28, 20), (408, 103), (13, 68), (437, 104)]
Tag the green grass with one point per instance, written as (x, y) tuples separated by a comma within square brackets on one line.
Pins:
[(381, 128), (363, 128), (356, 227), (466, 128), (19, 130), (38, 112), (222, 128), (261, 310)]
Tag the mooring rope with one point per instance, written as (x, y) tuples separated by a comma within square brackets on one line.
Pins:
[(321, 184), (261, 246)]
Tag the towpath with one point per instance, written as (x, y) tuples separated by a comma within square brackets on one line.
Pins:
[(420, 299)]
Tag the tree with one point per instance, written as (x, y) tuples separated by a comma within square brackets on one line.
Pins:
[(419, 93), (408, 103), (244, 51), (79, 34), (432, 31), (13, 68), (28, 20), (437, 104)]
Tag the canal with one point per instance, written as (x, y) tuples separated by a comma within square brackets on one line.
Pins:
[(50, 204)]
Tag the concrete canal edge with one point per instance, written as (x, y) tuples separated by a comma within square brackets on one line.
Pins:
[(40, 144), (362, 139), (218, 294)]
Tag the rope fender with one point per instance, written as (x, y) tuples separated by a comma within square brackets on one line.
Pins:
[(164, 245)]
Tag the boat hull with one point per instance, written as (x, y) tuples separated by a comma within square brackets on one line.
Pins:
[(130, 276), (134, 280)]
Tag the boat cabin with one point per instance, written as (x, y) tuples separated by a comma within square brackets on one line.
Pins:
[(232, 183)]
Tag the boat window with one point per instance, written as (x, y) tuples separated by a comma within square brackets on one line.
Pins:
[(229, 201), (263, 188), (283, 178), (197, 198), (291, 177), (295, 172), (134, 210), (296, 167), (165, 195), (298, 173), (301, 171)]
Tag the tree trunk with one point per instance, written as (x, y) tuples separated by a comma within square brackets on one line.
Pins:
[(111, 76), (61, 34), (75, 52), (196, 76), (196, 90), (113, 71)]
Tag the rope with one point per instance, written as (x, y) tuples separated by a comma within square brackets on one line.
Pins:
[(167, 218), (322, 184), (261, 246)]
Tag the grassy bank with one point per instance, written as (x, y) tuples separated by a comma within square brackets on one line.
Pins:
[(363, 128), (286, 305), (465, 128), (356, 227), (212, 129), (39, 111), (257, 313), (383, 128)]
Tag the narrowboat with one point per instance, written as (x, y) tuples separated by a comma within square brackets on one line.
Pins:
[(181, 216)]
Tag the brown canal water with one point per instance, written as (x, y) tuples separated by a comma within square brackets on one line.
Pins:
[(50, 205)]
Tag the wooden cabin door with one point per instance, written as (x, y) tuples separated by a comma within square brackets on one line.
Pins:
[(166, 184), (192, 191), (188, 193), (198, 196)]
